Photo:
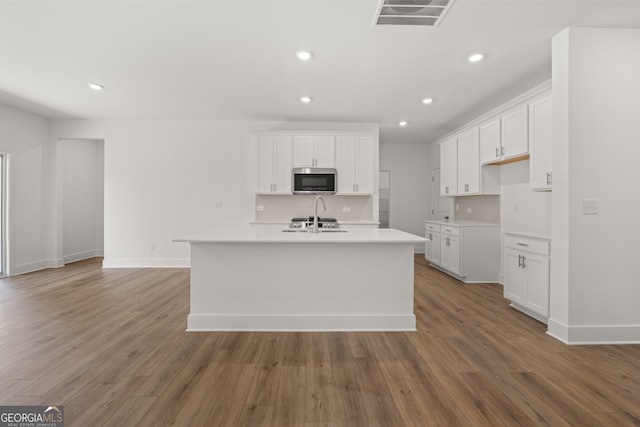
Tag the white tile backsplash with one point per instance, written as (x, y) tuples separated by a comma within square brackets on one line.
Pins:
[(285, 207), (478, 208)]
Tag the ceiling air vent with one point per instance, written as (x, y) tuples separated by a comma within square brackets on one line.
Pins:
[(412, 12)]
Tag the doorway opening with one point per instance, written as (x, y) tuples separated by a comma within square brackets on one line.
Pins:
[(440, 205), (81, 195)]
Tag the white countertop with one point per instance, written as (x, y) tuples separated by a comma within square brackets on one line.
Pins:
[(256, 235), (462, 223), (341, 222)]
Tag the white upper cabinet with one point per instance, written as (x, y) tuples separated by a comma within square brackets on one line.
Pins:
[(314, 151), (540, 138), (505, 138), (469, 162), (515, 134), (449, 167), (354, 162), (461, 172), (490, 143), (274, 164)]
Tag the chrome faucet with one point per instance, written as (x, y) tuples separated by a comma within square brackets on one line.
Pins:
[(316, 229)]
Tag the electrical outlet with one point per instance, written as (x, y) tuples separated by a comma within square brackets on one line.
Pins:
[(346, 209), (153, 247), (590, 206), (260, 208), (218, 203), (468, 210)]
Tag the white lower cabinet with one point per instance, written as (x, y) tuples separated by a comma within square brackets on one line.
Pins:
[(432, 245), (468, 251), (526, 282), (450, 253)]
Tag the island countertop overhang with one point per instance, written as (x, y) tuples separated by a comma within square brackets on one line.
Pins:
[(252, 235)]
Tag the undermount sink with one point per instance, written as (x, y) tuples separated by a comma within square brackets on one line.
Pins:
[(304, 230)]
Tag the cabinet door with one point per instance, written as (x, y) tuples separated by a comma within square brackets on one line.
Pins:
[(450, 253), (469, 162), (282, 165), (266, 165), (449, 167), (354, 162), (274, 164), (364, 165), (325, 151), (314, 151), (515, 134), (490, 142), (515, 276), (432, 248), (540, 137), (537, 287), (303, 151)]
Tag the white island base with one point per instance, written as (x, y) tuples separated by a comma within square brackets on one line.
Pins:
[(262, 281)]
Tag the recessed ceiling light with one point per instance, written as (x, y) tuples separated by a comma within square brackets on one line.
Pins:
[(95, 86), (475, 57), (402, 123), (305, 99), (303, 55), (427, 100)]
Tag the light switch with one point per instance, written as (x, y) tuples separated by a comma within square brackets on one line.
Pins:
[(218, 203), (590, 206)]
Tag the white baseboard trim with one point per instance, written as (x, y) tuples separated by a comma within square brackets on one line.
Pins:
[(30, 267), (594, 334), (79, 256), (146, 263), (300, 323)]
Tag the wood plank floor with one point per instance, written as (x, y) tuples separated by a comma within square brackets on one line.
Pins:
[(110, 345)]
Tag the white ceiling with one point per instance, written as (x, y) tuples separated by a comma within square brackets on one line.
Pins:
[(235, 60)]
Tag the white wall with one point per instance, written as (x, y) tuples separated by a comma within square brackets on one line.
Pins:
[(595, 92), (82, 187), (163, 179), (410, 185), (25, 137)]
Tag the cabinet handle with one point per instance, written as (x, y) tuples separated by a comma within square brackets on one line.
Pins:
[(521, 244), (466, 188), (446, 190), (430, 236), (502, 150), (548, 178), (497, 154), (519, 261), (524, 264), (448, 243)]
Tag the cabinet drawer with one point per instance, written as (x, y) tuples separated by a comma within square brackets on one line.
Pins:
[(432, 227), (538, 246), (450, 230)]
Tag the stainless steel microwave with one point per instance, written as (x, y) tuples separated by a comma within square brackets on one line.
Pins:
[(314, 180)]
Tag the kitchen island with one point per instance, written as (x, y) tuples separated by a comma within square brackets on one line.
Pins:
[(267, 280)]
